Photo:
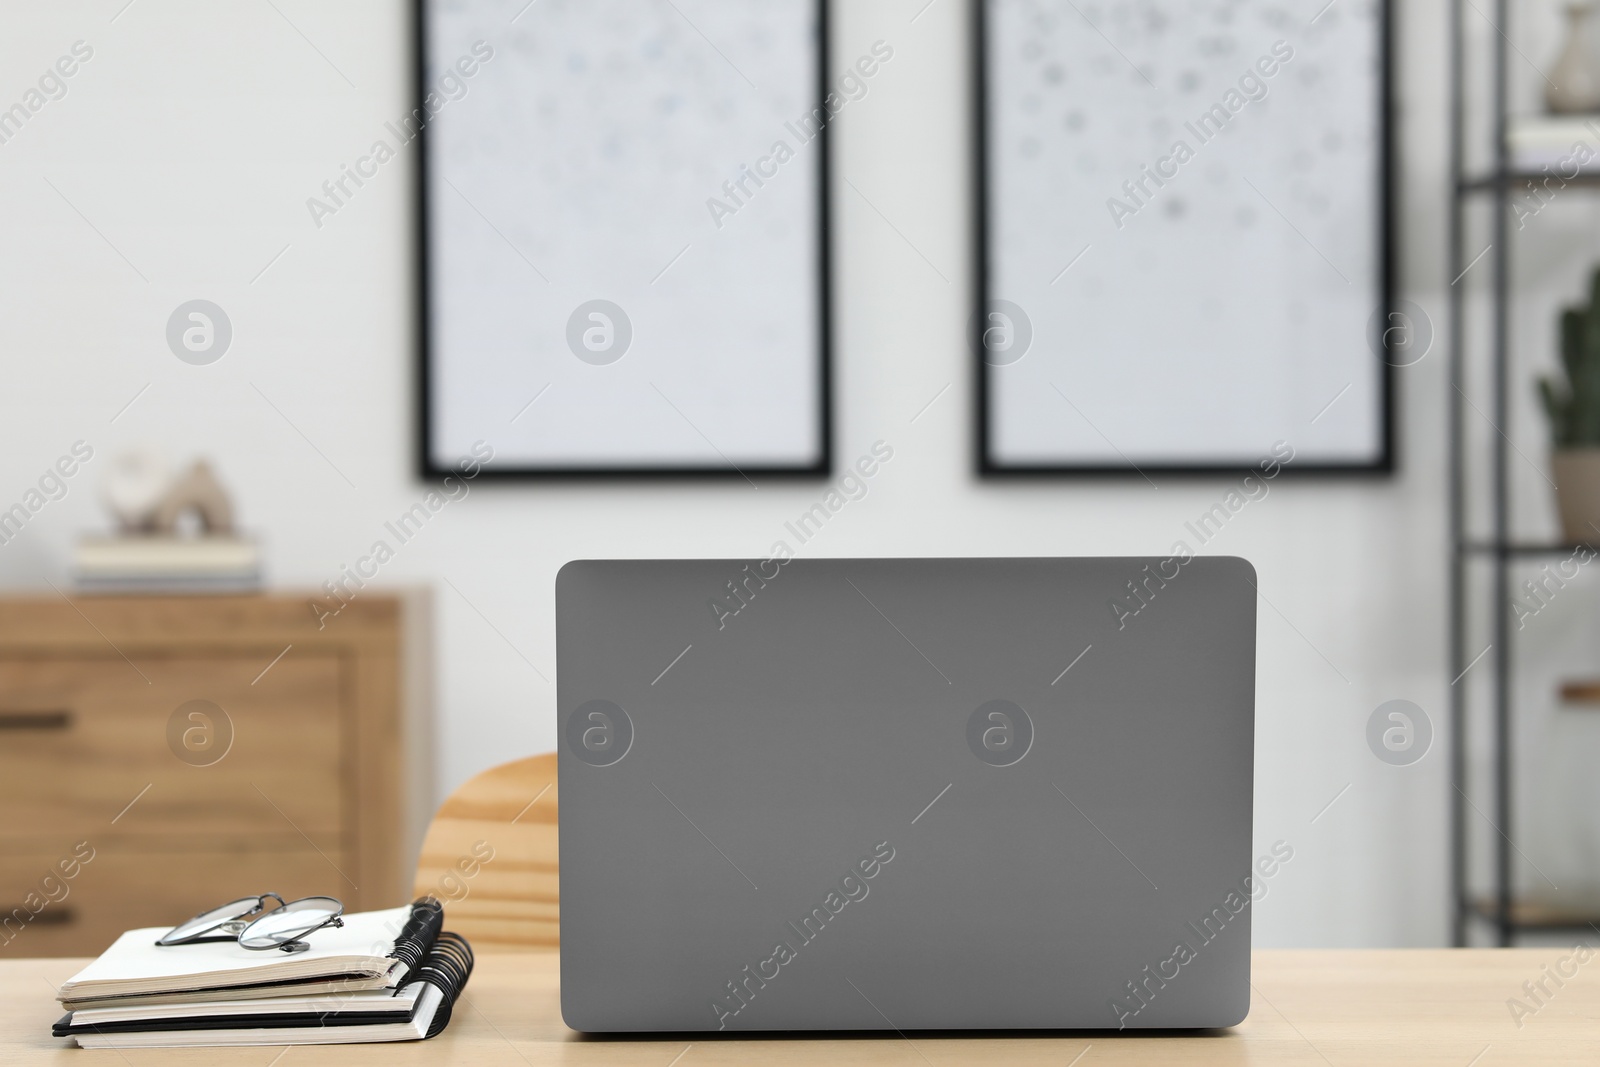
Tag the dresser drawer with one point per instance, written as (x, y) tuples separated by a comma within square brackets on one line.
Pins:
[(121, 889), (192, 748)]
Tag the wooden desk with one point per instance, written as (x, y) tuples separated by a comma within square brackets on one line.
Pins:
[(1316, 1008)]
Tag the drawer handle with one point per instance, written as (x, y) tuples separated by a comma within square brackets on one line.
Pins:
[(55, 719), (50, 916)]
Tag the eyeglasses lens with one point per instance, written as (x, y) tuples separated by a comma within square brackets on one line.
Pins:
[(208, 921), (291, 922)]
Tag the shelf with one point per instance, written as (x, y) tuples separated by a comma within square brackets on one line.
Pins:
[(1488, 183), (1585, 692), (1522, 548), (1535, 914), (1540, 148), (1529, 149)]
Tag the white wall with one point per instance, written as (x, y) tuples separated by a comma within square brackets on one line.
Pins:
[(191, 141)]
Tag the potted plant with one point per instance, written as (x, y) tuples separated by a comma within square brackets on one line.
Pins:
[(1573, 405)]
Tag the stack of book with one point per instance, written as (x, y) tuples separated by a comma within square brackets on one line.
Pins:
[(159, 564), (384, 976), (1567, 144)]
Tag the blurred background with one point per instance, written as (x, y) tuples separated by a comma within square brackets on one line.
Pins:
[(177, 166)]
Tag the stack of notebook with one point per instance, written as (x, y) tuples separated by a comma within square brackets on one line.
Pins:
[(385, 976)]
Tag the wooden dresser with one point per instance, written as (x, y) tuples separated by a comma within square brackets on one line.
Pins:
[(161, 755)]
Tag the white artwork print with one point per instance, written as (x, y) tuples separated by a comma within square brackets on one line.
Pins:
[(613, 284), (1184, 220)]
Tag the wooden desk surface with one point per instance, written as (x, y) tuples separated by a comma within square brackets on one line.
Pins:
[(1322, 1008)]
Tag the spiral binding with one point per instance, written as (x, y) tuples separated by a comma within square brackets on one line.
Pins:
[(448, 968), (417, 936), (433, 956)]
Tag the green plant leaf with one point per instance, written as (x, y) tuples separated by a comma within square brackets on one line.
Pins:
[(1556, 408)]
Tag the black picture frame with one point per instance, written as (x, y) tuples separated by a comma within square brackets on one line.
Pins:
[(424, 465), (983, 460)]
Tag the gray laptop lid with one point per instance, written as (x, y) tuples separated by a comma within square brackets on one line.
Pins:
[(905, 793)]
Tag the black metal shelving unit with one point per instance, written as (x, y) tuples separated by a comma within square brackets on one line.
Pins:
[(1500, 910)]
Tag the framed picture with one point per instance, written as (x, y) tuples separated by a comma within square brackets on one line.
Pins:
[(1185, 239), (624, 237)]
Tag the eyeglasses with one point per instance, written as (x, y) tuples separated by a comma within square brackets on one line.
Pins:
[(283, 928)]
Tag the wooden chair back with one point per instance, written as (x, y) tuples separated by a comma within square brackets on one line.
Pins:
[(490, 855)]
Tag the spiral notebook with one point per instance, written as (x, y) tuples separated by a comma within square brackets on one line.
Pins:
[(386, 976)]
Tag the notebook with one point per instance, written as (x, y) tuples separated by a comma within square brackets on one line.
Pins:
[(373, 950), (418, 1010), (269, 1009), (424, 1022), (367, 1005)]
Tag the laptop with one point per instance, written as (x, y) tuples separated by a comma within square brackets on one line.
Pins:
[(906, 794)]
